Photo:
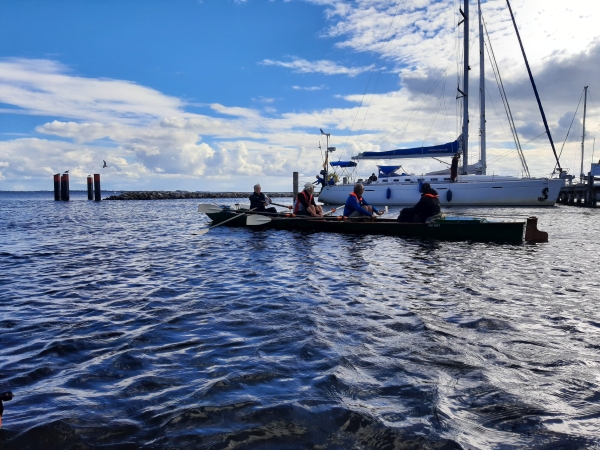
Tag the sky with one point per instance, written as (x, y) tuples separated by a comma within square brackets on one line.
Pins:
[(217, 95)]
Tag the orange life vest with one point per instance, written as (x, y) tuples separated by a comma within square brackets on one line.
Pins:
[(357, 198), (298, 204)]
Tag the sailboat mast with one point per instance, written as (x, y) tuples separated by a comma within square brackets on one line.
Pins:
[(465, 128), (482, 92), (583, 135)]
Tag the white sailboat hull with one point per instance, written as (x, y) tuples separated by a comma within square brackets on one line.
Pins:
[(469, 190)]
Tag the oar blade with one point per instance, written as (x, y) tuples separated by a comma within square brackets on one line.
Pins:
[(257, 220), (208, 208), (201, 232)]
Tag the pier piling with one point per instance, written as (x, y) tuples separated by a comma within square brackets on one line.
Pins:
[(57, 186), (295, 182), (64, 187), (98, 195), (90, 187)]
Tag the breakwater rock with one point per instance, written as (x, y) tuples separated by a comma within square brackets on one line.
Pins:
[(167, 195)]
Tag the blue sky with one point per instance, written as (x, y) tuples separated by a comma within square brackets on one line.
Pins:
[(218, 94)]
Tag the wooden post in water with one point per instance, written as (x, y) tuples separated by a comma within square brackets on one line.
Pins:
[(594, 200), (64, 187), (90, 187), (295, 187), (57, 186), (98, 195), (590, 190)]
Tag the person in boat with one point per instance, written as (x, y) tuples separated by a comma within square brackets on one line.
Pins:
[(357, 206), (454, 167), (372, 178), (320, 181), (305, 203), (428, 206), (259, 201)]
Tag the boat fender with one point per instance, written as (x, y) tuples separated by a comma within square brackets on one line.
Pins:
[(449, 195), (388, 193), (420, 186)]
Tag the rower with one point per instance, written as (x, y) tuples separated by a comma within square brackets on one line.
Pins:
[(357, 206), (428, 206), (305, 203), (259, 201)]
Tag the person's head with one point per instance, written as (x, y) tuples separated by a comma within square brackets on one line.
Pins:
[(359, 189), (426, 189), (457, 155), (257, 188), (308, 187)]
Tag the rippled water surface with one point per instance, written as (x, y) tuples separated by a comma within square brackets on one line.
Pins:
[(121, 329)]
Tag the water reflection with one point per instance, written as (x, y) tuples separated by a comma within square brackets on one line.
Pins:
[(119, 327)]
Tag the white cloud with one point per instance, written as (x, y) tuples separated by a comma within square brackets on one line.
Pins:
[(309, 88), (43, 87), (322, 66)]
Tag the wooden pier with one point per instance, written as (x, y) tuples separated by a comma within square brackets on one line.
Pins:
[(582, 194)]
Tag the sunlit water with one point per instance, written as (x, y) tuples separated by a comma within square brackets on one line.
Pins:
[(120, 328)]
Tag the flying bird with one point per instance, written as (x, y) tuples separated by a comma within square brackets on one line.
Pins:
[(104, 164), (66, 171)]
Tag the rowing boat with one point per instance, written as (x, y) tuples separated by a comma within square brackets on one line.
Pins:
[(442, 228)]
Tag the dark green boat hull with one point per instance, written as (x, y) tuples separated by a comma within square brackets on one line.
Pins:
[(468, 230)]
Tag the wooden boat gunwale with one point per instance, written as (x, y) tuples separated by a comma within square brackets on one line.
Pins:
[(452, 230)]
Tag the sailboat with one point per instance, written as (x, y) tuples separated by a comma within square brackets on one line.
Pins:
[(472, 187)]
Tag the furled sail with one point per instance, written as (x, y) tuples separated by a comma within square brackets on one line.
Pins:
[(449, 149)]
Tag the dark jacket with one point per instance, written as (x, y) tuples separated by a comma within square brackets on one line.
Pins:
[(257, 201), (427, 206)]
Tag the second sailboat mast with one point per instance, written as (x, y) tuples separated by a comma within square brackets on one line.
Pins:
[(482, 92), (465, 127), (581, 175)]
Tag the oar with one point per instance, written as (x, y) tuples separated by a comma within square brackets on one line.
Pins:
[(206, 230), (209, 208), (283, 206), (261, 220), (333, 210)]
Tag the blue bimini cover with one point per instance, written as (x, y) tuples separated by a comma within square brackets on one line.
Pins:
[(388, 171), (449, 149), (343, 164)]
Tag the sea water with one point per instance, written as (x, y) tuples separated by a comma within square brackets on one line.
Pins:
[(119, 328)]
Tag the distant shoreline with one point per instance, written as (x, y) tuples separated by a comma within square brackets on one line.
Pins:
[(170, 195)]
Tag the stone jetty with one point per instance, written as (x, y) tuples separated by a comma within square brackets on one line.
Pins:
[(168, 195)]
